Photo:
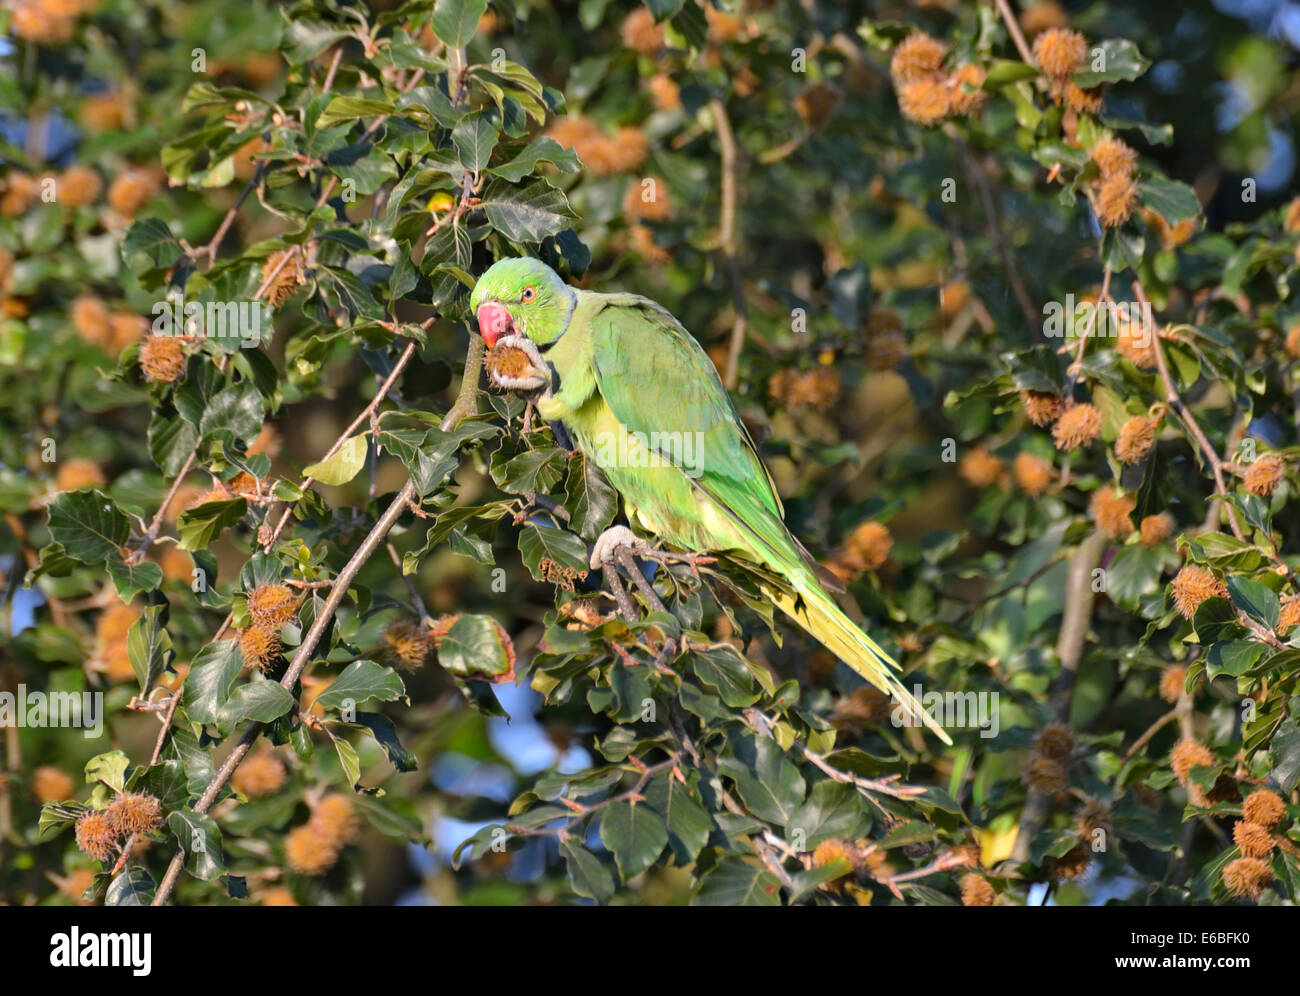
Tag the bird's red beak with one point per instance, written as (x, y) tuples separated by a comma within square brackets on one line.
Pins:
[(493, 322)]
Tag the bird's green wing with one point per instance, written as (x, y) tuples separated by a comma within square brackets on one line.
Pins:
[(657, 380)]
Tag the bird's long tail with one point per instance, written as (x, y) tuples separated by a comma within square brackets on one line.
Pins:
[(813, 609)]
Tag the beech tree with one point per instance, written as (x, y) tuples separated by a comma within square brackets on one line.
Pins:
[(299, 610)]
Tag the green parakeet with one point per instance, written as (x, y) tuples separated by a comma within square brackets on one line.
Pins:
[(638, 395)]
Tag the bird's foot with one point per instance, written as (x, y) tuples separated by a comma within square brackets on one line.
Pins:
[(604, 551), (692, 560)]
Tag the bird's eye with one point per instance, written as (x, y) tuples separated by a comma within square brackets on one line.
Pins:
[(529, 293)]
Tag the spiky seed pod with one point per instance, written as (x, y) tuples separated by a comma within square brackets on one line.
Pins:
[(19, 190), (981, 468), (1083, 101), (640, 33), (1079, 425), (90, 319), (863, 707), (917, 57), (816, 102), (96, 836), (1252, 839), (926, 101), (1091, 817), (408, 644), (1047, 775), (134, 812), (1042, 407), (832, 850), (1193, 585), (976, 890), (244, 484), (1055, 740), (49, 784), (867, 547), (665, 93), (1114, 158), (1060, 52), (309, 850), (278, 896), (286, 264), (1247, 877), (272, 605), (78, 186), (1264, 807), (1136, 437), (131, 190), (1264, 474), (1155, 529), (1136, 343), (1189, 754), (1173, 680), (78, 473), (1073, 864), (1112, 512), (260, 647), (886, 339), (336, 817), (1032, 474), (217, 492), (261, 774), (162, 358), (638, 206), (966, 84), (1290, 614), (1115, 200)]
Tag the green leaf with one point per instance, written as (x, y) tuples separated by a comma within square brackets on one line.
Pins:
[(89, 525), (586, 875), (1234, 657), (528, 213), (540, 150), (635, 833), (833, 809), (362, 681), (200, 526), (724, 670), (153, 240), (1118, 59), (200, 839), (149, 646), (456, 21), (131, 579), (344, 465), (257, 699), (210, 680), (132, 886), (538, 543), (477, 648), (109, 768), (381, 728), (736, 882), (1172, 200), (475, 138), (769, 785), (686, 818), (1285, 752), (590, 499), (344, 108), (238, 408), (1252, 598)]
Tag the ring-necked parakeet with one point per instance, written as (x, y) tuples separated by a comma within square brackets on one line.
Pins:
[(638, 395)]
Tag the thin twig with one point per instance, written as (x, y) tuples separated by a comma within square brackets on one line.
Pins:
[(727, 236)]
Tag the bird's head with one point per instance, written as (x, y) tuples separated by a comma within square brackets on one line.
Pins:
[(522, 296)]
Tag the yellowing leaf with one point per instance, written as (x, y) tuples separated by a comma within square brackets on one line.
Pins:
[(343, 465)]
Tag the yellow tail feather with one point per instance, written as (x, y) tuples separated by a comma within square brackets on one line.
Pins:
[(822, 618)]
